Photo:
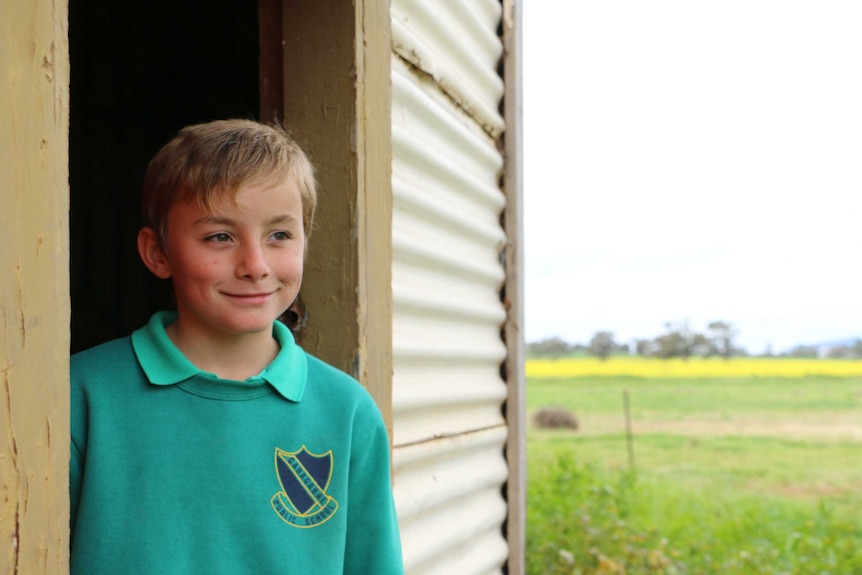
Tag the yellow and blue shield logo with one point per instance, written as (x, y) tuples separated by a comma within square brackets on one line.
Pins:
[(304, 477)]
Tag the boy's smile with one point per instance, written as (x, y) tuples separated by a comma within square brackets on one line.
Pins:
[(237, 268)]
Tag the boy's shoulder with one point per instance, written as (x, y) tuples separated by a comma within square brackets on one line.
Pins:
[(320, 369), (333, 382), (104, 371), (110, 355)]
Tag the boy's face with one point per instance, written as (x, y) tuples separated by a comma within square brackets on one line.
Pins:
[(235, 270)]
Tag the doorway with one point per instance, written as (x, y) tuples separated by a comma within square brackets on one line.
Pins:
[(140, 71)]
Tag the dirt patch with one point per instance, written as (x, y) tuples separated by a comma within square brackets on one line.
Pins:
[(839, 427), (805, 491)]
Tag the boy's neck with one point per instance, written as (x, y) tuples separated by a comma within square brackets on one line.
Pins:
[(236, 357)]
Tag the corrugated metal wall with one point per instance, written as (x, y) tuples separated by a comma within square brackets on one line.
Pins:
[(449, 433)]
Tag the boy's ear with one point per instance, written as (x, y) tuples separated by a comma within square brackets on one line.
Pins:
[(152, 254)]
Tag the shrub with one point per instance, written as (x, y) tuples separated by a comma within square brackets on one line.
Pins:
[(586, 521), (555, 418)]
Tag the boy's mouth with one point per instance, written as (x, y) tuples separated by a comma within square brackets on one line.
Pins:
[(250, 298)]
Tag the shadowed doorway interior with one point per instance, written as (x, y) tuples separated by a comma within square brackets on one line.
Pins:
[(140, 71)]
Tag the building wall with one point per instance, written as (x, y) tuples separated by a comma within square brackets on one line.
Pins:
[(438, 168), (449, 432), (34, 287), (402, 116)]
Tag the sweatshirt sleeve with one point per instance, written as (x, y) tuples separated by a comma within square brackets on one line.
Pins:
[(373, 541)]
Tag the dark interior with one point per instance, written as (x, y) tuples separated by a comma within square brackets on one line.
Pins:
[(140, 71)]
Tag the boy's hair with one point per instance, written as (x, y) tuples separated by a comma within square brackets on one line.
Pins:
[(207, 160)]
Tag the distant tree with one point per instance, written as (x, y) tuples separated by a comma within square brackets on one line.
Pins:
[(803, 351), (645, 347), (677, 342), (670, 345), (841, 352), (580, 349), (602, 345), (846, 351), (701, 345), (721, 336), (553, 347)]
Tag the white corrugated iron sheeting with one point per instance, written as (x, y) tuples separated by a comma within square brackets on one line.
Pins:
[(449, 432), (457, 44)]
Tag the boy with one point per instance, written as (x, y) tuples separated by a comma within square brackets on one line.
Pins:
[(208, 442)]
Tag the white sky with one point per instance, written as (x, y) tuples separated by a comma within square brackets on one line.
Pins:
[(692, 160)]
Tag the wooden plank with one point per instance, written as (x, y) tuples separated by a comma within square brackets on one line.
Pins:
[(271, 72), (336, 103), (320, 111), (374, 205), (514, 291), (34, 287)]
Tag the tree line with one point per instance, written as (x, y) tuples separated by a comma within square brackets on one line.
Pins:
[(678, 340)]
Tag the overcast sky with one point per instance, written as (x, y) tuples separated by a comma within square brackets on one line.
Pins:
[(693, 161)]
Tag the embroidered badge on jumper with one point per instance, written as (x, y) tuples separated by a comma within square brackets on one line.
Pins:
[(304, 477)]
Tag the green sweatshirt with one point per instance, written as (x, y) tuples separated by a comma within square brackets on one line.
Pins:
[(175, 471)]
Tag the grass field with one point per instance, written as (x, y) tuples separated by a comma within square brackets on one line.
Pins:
[(638, 366), (737, 475)]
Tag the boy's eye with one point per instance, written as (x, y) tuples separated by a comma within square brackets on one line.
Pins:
[(220, 237)]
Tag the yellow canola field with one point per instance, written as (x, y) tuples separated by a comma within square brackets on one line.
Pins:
[(648, 367)]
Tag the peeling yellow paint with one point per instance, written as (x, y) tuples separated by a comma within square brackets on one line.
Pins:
[(34, 287)]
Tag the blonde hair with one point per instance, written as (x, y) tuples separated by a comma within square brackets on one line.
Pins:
[(205, 161)]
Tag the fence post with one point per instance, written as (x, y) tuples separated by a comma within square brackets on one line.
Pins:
[(629, 436)]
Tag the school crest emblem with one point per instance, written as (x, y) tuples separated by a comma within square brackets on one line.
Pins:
[(304, 477)]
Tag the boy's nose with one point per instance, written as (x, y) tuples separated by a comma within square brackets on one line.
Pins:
[(252, 263)]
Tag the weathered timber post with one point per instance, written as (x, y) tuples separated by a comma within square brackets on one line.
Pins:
[(34, 287)]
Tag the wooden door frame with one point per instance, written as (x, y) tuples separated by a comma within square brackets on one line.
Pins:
[(34, 287), (337, 103), (513, 185), (271, 86)]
